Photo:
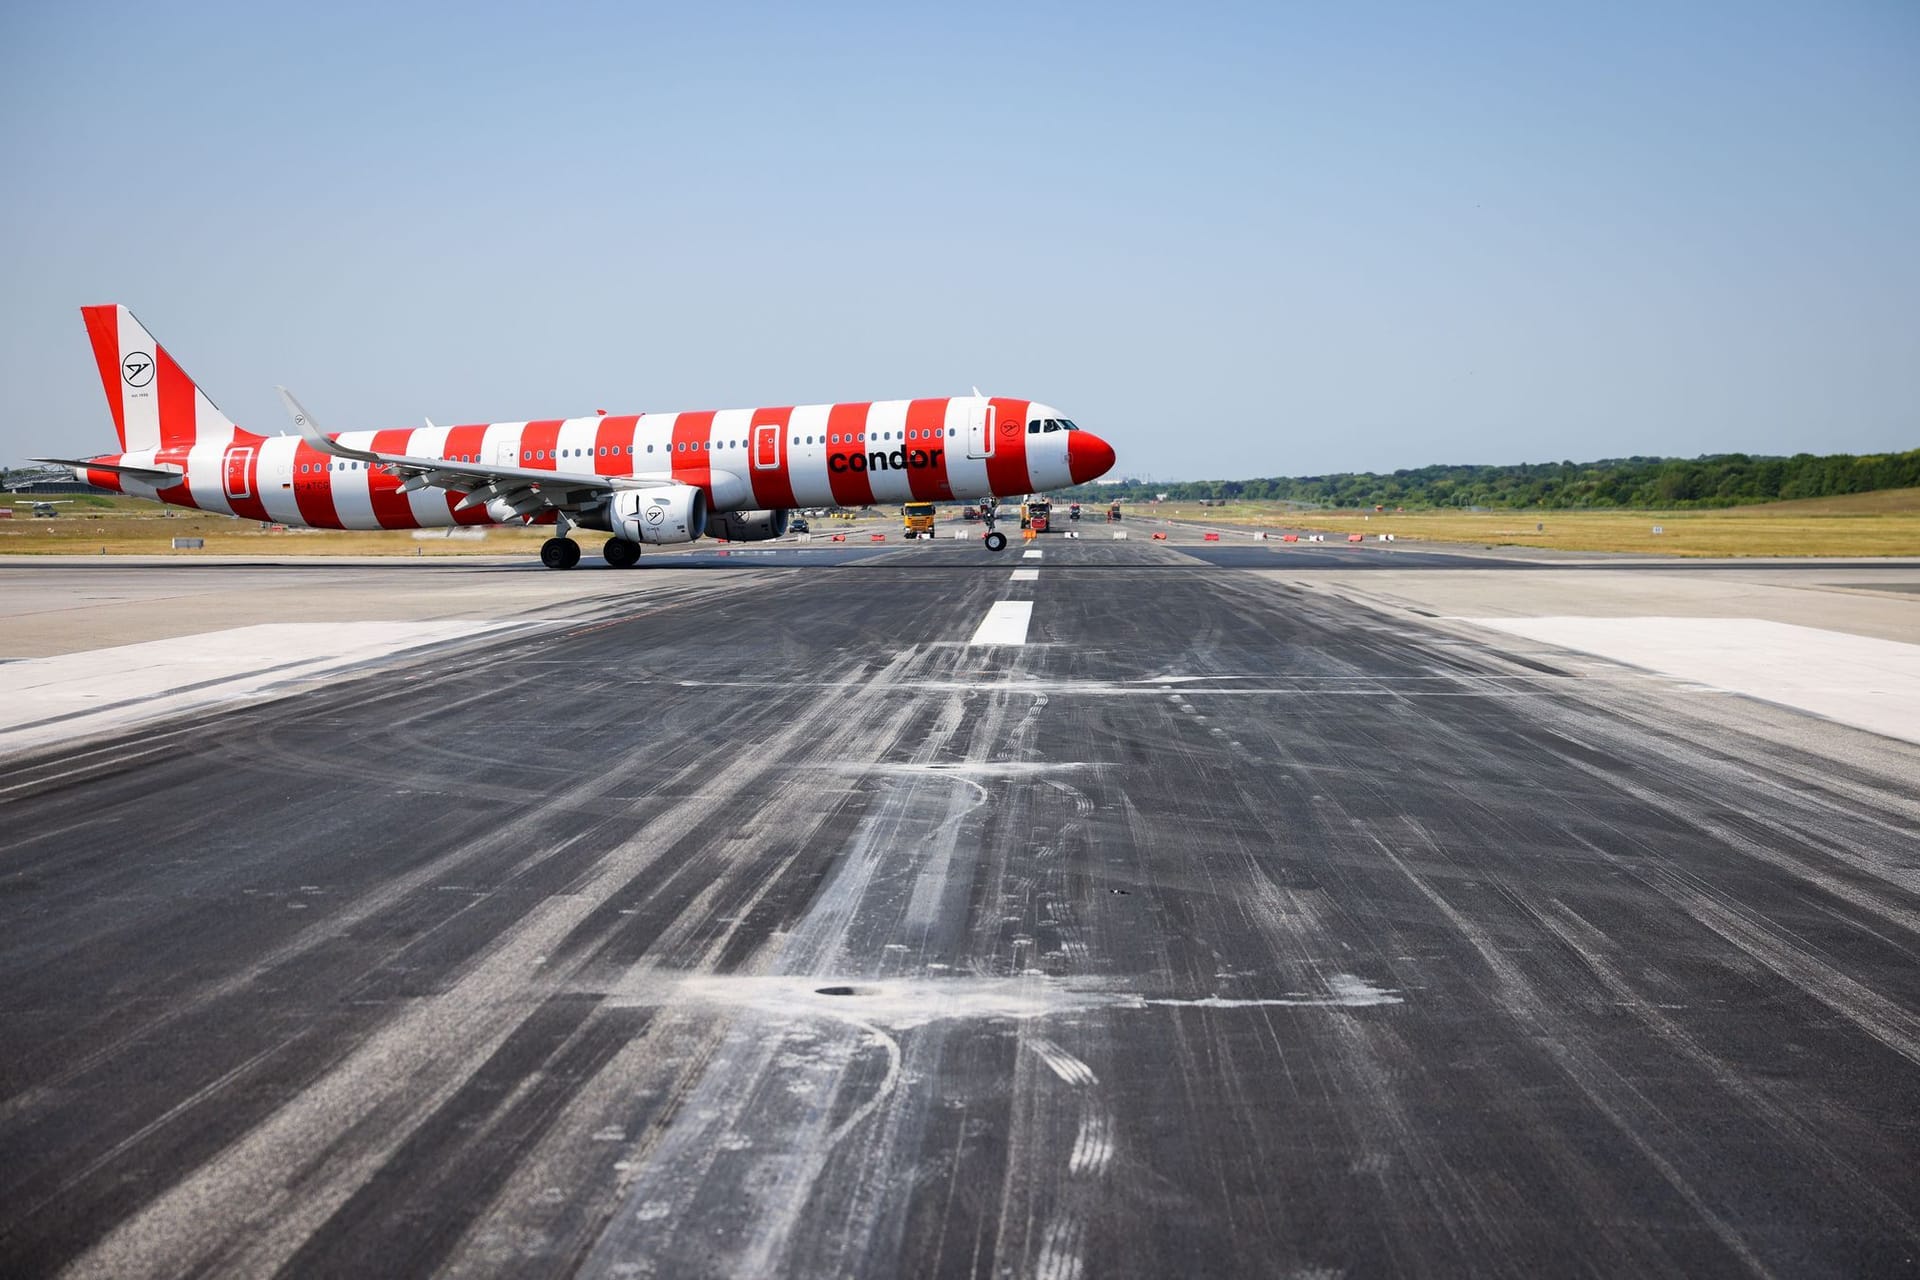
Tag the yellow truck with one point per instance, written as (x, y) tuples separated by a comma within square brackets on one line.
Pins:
[(916, 518)]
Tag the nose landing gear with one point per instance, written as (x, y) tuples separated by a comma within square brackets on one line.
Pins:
[(996, 541)]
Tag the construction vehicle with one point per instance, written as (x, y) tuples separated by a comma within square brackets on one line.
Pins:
[(1073, 512), (1113, 512), (1035, 514), (916, 518)]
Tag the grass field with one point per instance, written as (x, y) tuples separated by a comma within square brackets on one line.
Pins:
[(1886, 523), (89, 525), (93, 525)]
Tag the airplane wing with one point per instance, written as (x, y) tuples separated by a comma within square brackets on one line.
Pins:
[(526, 490), (162, 475)]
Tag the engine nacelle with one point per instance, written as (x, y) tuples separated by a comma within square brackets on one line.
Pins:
[(748, 526), (667, 514)]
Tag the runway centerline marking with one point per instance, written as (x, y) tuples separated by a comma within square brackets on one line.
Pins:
[(1026, 575), (1031, 553), (1005, 623)]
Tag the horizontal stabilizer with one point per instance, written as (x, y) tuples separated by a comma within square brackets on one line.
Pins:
[(162, 475)]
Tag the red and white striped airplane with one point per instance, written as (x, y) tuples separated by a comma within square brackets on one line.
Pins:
[(652, 478)]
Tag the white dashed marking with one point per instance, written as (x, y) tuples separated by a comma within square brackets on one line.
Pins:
[(1005, 623), (1026, 575), (1031, 553)]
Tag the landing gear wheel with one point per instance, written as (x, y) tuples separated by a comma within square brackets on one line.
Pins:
[(996, 541), (559, 553), (621, 554)]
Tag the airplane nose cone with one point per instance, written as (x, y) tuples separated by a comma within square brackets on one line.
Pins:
[(1088, 456)]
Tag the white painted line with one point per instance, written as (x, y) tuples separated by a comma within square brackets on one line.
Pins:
[(1870, 684), (1026, 575), (1005, 623), (1032, 553), (102, 690)]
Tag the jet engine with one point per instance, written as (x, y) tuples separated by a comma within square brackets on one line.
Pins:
[(669, 513), (748, 526)]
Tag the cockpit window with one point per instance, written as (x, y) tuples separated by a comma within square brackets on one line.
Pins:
[(1051, 424), (1033, 428), (1067, 425)]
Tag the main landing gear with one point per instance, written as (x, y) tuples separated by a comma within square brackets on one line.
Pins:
[(560, 553), (621, 554)]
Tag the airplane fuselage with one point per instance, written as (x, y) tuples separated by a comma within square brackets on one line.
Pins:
[(947, 449)]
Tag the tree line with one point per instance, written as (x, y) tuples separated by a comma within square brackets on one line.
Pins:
[(1715, 480)]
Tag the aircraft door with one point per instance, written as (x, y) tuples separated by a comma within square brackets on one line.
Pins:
[(766, 446), (980, 429), (505, 454), (240, 473)]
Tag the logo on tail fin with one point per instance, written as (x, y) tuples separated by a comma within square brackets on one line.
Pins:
[(138, 369)]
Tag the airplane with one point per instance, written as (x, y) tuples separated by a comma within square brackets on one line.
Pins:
[(644, 479)]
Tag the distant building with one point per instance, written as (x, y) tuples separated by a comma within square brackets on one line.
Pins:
[(69, 485)]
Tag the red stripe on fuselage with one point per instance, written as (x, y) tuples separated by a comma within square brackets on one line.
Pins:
[(692, 464), (773, 487), (391, 508), (615, 436), (251, 507), (176, 421), (313, 487), (928, 481), (845, 424), (466, 442), (538, 439), (1007, 468), (103, 330)]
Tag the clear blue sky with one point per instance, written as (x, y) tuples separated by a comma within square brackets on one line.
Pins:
[(1237, 240)]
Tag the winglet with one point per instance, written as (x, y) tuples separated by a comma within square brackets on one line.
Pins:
[(310, 431)]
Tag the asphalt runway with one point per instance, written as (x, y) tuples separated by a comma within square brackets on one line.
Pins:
[(754, 922)]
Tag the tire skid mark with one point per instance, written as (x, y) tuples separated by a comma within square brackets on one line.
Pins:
[(1631, 1113), (775, 1061), (400, 1074)]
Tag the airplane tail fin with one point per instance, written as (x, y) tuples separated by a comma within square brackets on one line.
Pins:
[(155, 404)]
